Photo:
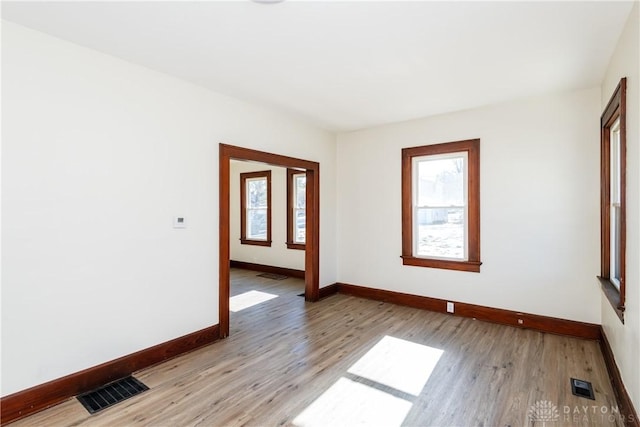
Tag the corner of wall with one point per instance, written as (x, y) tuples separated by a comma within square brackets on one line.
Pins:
[(625, 338)]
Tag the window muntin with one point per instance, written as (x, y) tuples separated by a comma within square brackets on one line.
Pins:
[(441, 205), (296, 208), (255, 188)]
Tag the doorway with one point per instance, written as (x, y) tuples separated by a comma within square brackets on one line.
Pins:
[(312, 249)]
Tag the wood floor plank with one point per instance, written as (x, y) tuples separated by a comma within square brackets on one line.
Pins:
[(290, 362)]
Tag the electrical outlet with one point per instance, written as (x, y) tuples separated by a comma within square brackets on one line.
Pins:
[(520, 321), (449, 307)]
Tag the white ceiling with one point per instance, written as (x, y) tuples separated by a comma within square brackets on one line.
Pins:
[(352, 64)]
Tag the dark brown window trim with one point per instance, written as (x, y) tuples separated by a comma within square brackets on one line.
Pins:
[(472, 147), (442, 263), (256, 242), (299, 246), (243, 205), (613, 296), (616, 108), (290, 189)]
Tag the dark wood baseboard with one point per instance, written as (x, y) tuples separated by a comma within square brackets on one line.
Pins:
[(34, 399), (625, 405), (267, 269), (496, 315), (329, 290)]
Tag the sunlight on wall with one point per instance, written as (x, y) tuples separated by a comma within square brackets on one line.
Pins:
[(380, 387), (248, 299)]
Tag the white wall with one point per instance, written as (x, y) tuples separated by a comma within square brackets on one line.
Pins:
[(277, 255), (539, 206), (625, 339), (98, 156)]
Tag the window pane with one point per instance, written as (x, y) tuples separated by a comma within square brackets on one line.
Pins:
[(440, 232), (257, 193), (257, 224), (615, 162), (615, 220), (300, 191), (441, 182), (615, 246), (299, 226)]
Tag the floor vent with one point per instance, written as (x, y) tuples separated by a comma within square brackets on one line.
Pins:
[(110, 394), (582, 388), (273, 276)]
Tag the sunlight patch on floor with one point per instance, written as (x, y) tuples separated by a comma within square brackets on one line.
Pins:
[(248, 299), (380, 390), (349, 403), (400, 364)]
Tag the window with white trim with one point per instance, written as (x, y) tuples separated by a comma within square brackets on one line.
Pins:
[(440, 208)]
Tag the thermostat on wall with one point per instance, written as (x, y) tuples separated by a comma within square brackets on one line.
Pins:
[(179, 222)]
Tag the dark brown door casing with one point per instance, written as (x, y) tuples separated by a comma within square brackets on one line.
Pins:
[(312, 251)]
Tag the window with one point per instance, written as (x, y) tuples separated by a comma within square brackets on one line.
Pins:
[(441, 205), (613, 198), (614, 206), (255, 209), (296, 208)]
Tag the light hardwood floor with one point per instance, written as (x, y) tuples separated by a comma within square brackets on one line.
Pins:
[(348, 361)]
